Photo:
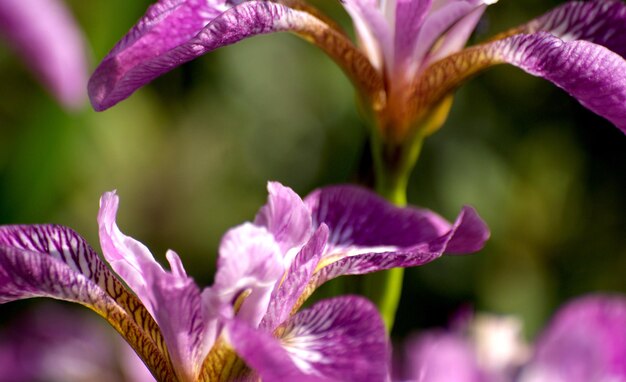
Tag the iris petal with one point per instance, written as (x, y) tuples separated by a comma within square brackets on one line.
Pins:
[(176, 31), (569, 46), (285, 297), (54, 261), (172, 298), (340, 339)]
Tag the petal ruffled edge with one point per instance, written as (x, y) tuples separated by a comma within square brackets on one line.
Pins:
[(468, 234), (172, 298)]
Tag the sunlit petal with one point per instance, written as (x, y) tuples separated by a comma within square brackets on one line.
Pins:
[(53, 261), (172, 298), (340, 339), (174, 32), (571, 47)]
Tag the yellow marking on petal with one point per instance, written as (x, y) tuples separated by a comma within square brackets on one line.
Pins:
[(240, 299), (223, 364)]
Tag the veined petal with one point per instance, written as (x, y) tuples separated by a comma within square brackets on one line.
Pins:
[(340, 339), (172, 298), (409, 17), (287, 294), (54, 261), (602, 22), (157, 45), (591, 73), (285, 216), (570, 47), (250, 263), (468, 234), (356, 216), (586, 341), (52, 45)]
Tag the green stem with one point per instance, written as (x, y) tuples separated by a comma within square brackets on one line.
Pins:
[(393, 165)]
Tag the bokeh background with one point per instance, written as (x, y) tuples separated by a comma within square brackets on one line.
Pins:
[(191, 153)]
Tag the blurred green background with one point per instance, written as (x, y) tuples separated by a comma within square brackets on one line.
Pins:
[(191, 153)]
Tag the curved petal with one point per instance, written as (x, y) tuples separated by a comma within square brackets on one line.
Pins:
[(54, 261), (361, 222), (570, 48), (455, 28), (285, 297), (250, 262), (172, 298), (340, 339), (591, 73), (586, 341), (174, 32), (602, 22), (52, 45), (285, 216), (467, 234), (373, 30), (409, 18)]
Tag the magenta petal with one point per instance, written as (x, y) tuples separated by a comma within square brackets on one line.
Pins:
[(448, 30), (369, 234), (250, 261), (52, 45), (356, 216), (340, 339), (602, 22), (591, 73), (265, 354), (301, 270), (176, 31), (409, 17), (285, 216), (467, 234), (172, 298), (53, 261), (373, 31), (586, 341), (50, 261)]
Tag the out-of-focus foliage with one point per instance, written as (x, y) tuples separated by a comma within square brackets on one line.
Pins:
[(191, 153)]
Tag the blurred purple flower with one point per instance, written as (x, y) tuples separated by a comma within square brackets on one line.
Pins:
[(586, 341), (55, 344), (266, 270), (410, 59), (44, 33)]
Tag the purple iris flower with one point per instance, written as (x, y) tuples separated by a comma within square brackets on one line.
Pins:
[(45, 34), (410, 56), (248, 323), (586, 341)]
